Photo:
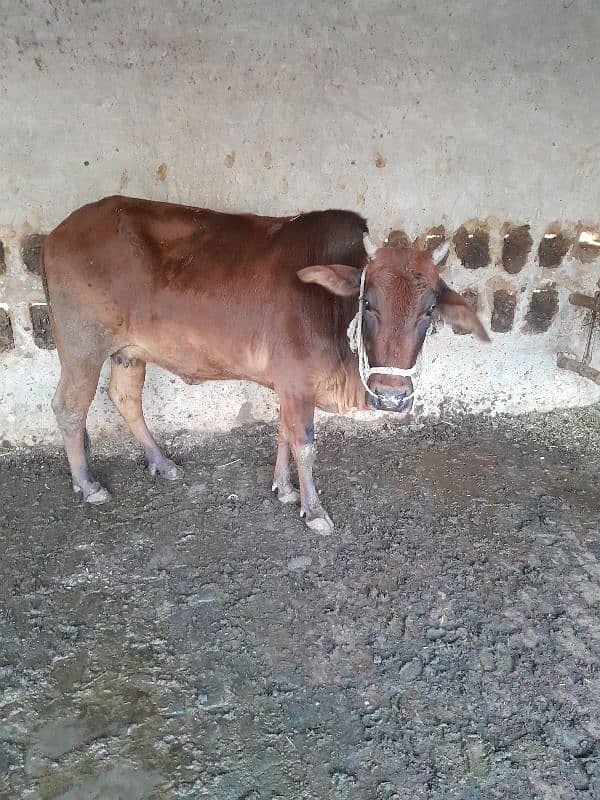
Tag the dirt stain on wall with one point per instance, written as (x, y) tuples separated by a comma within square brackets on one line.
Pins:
[(503, 313), (553, 247), (398, 238), (472, 246), (229, 159), (542, 310), (42, 332), (516, 246), (160, 174), (587, 243), (431, 239), (30, 252), (7, 341)]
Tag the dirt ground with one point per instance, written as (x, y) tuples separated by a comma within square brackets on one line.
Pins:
[(198, 641)]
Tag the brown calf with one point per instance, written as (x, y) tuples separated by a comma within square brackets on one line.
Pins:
[(211, 296)]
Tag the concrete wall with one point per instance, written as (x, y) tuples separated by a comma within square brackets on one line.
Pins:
[(417, 114)]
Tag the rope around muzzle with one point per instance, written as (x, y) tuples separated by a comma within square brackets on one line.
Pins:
[(357, 345)]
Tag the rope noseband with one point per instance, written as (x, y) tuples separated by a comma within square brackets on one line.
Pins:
[(357, 345)]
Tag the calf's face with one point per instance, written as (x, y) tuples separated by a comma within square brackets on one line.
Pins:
[(401, 294)]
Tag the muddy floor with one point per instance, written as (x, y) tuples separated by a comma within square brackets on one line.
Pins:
[(198, 641)]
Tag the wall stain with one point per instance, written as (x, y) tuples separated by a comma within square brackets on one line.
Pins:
[(398, 238), (2, 259), (553, 247), (229, 159), (267, 159), (380, 161), (503, 313), (42, 332), (430, 239), (124, 180), (542, 310), (31, 248), (161, 173), (472, 246), (516, 245), (7, 341), (587, 243)]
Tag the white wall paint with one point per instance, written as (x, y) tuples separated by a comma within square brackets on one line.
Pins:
[(470, 110)]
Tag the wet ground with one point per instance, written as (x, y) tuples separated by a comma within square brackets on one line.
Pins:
[(198, 641)]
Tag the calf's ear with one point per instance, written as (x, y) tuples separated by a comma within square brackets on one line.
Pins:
[(336, 278), (454, 309)]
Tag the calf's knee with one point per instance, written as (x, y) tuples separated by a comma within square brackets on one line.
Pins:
[(69, 419)]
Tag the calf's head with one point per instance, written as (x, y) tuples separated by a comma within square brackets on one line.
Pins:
[(400, 294)]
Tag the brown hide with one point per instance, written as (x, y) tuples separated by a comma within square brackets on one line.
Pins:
[(203, 294)]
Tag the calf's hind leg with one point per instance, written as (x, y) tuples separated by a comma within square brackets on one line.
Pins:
[(125, 390), (71, 402)]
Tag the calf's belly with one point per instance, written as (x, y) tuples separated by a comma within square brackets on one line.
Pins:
[(196, 364)]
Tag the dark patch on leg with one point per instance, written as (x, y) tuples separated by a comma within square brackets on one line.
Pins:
[(7, 340), (310, 433), (472, 298), (123, 360), (553, 248), (542, 310), (42, 333), (473, 248), (2, 259), (31, 248), (516, 247), (503, 314)]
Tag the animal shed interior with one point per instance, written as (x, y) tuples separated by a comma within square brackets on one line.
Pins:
[(194, 639)]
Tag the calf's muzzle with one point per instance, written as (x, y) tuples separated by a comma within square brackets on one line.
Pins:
[(399, 400)]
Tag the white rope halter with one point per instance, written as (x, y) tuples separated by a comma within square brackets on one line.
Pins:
[(357, 345)]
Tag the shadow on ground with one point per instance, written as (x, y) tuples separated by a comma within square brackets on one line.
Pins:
[(198, 641)]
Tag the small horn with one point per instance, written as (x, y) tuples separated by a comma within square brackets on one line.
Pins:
[(370, 248), (440, 252)]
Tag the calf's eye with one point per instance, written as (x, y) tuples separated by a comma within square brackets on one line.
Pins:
[(430, 311), (366, 304)]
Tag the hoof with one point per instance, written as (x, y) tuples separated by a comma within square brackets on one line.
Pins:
[(321, 524), (94, 494), (166, 469), (291, 496)]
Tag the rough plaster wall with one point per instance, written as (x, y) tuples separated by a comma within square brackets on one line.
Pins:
[(413, 113)]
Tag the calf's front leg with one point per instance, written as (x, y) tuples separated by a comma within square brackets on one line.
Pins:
[(281, 478), (297, 428)]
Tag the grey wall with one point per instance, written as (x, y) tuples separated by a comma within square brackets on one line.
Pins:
[(413, 113)]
